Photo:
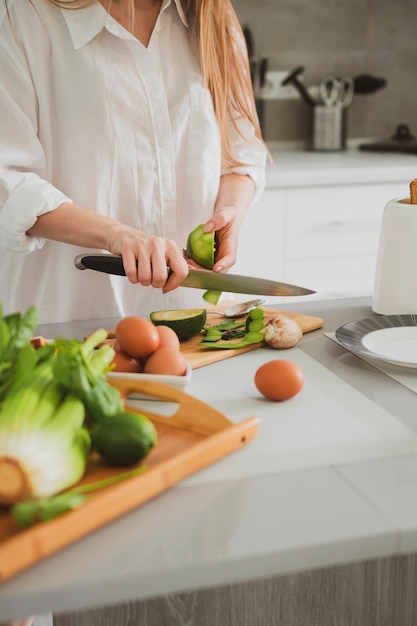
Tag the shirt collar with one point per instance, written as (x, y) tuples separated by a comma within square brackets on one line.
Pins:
[(85, 24), (179, 9)]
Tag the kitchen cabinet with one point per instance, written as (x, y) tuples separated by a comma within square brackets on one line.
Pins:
[(261, 249), (318, 222)]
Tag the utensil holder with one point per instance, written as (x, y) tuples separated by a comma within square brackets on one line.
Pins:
[(395, 289), (327, 128)]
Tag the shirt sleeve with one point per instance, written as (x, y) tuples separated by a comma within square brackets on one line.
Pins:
[(24, 192), (251, 153)]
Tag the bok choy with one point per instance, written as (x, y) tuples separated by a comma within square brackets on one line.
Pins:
[(43, 443), (51, 399)]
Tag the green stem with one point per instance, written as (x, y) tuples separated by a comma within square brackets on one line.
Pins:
[(107, 482)]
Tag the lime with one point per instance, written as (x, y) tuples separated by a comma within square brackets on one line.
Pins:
[(124, 439), (185, 322)]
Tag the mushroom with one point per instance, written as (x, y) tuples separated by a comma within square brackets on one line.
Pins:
[(282, 332)]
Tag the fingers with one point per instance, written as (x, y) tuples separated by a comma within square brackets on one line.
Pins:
[(226, 227), (220, 219), (179, 271), (151, 261)]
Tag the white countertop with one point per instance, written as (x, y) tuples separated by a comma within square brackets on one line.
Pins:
[(297, 167), (221, 530)]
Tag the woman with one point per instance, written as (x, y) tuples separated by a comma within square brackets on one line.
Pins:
[(124, 124)]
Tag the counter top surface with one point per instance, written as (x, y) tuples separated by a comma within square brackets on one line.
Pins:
[(294, 166), (247, 524)]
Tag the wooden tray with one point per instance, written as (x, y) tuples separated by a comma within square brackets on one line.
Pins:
[(195, 436)]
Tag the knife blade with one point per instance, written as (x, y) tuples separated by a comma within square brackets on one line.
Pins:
[(199, 279)]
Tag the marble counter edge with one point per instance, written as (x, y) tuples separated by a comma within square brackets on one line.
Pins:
[(295, 166)]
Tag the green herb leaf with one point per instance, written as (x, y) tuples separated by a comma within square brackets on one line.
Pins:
[(30, 512)]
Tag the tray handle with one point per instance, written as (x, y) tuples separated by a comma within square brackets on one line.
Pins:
[(192, 414)]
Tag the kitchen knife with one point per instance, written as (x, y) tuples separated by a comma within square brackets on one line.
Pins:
[(199, 279)]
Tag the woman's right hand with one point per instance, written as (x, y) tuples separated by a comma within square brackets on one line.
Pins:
[(146, 258)]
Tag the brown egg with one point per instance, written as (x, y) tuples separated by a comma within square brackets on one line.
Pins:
[(137, 336), (125, 363), (167, 337), (279, 379), (167, 361)]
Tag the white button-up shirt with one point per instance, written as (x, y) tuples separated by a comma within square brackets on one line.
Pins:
[(89, 115)]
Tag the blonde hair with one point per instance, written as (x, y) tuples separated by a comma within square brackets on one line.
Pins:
[(224, 66), (223, 60)]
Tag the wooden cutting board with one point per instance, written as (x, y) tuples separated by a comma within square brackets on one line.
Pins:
[(199, 356)]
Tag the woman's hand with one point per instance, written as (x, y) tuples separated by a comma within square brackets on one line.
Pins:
[(235, 195), (145, 257)]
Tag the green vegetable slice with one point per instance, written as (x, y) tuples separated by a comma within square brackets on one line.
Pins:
[(185, 322), (255, 325), (249, 338), (212, 296), (213, 335), (231, 330)]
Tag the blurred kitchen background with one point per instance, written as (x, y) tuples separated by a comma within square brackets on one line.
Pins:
[(344, 38)]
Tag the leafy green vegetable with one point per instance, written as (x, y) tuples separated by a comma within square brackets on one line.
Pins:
[(17, 356), (29, 512), (48, 399), (81, 368), (43, 442)]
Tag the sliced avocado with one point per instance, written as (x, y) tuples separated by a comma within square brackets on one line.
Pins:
[(185, 322)]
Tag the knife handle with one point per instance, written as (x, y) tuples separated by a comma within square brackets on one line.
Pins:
[(108, 263)]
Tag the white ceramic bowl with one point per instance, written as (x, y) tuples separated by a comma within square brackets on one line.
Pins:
[(180, 382)]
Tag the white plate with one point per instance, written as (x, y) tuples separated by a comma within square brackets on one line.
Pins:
[(388, 338), (180, 382)]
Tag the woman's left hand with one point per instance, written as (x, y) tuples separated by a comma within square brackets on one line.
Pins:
[(226, 226), (235, 195)]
